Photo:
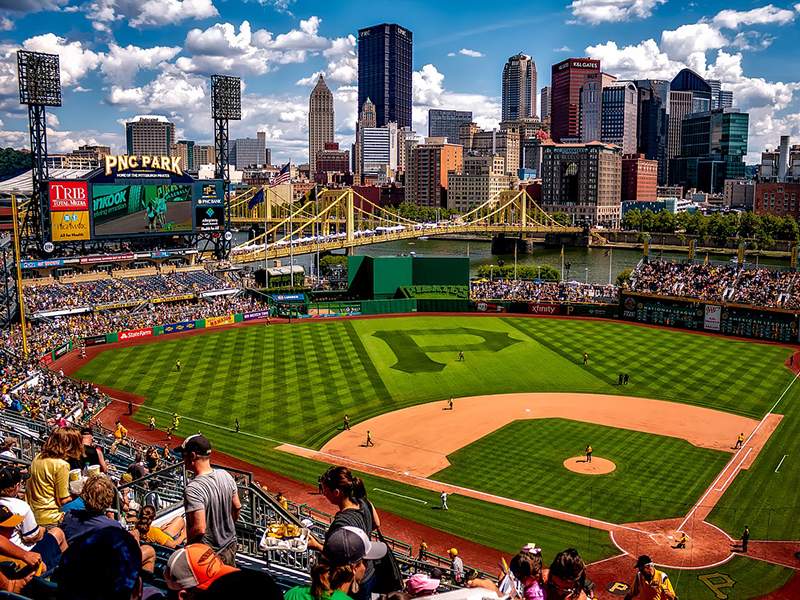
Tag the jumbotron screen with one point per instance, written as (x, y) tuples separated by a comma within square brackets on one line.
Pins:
[(141, 209)]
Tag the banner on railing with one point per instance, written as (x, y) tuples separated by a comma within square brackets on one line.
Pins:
[(133, 334), (41, 264), (116, 305), (173, 298), (713, 317), (61, 350), (94, 340), (258, 314), (489, 307), (219, 321), (536, 308), (288, 297), (178, 327)]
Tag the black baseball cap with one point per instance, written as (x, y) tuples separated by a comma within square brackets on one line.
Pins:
[(643, 561), (11, 476), (197, 443), (348, 545)]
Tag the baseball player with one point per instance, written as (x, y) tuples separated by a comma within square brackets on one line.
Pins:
[(443, 498), (739, 441), (369, 442), (589, 453)]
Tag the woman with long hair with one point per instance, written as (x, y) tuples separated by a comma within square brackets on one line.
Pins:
[(48, 487), (347, 492)]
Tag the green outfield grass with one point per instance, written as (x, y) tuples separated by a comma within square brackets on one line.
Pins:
[(294, 383), (657, 477)]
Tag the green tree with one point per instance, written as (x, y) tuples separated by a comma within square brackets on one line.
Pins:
[(632, 220), (332, 262), (561, 218), (528, 272), (624, 276), (13, 162), (664, 222)]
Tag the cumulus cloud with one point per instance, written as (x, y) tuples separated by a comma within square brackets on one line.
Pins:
[(602, 11), (75, 59), (637, 61), (562, 49), (470, 53), (171, 90), (120, 65), (342, 60), (686, 40), (103, 13), (6, 24), (765, 15)]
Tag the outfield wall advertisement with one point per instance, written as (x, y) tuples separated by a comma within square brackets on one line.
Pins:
[(220, 321), (713, 317), (134, 334), (178, 327)]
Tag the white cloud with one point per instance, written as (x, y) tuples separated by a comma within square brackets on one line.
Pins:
[(310, 80), (602, 11), (765, 15), (120, 65), (752, 40), (342, 60), (470, 53), (6, 24), (52, 119), (430, 92), (27, 6), (563, 49), (75, 59), (639, 61), (171, 90), (686, 40), (136, 13)]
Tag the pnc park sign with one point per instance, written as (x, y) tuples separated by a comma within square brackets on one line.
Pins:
[(122, 163)]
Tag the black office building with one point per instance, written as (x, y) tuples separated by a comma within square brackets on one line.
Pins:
[(653, 123), (385, 72)]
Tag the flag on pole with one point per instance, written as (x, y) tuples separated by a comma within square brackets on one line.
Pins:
[(257, 199), (283, 176)]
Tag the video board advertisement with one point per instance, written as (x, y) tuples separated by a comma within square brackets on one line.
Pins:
[(69, 211), (209, 212), (120, 210)]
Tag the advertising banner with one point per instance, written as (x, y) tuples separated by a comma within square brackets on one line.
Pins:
[(172, 298), (489, 307), (61, 351), (69, 226), (288, 297), (94, 340), (536, 308), (713, 317), (41, 264), (178, 327), (88, 260), (259, 314), (608, 311), (69, 195), (141, 209), (116, 305), (219, 321), (133, 334), (209, 218)]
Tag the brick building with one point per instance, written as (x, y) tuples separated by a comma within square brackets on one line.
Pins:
[(639, 178), (778, 199)]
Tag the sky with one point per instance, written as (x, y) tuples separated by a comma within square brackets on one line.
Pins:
[(121, 58)]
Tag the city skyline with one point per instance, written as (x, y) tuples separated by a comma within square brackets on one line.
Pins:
[(118, 61)]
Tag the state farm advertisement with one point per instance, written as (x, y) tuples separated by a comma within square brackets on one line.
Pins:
[(69, 195), (133, 334)]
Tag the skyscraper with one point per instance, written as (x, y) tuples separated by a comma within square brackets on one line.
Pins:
[(366, 118), (653, 123), (446, 123), (519, 88), (618, 116), (567, 79), (247, 152), (680, 105), (545, 108), (150, 134), (689, 81), (385, 72), (320, 122)]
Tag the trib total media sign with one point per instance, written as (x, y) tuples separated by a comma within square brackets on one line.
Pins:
[(69, 211)]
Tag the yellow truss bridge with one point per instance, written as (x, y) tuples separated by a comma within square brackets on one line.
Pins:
[(343, 219)]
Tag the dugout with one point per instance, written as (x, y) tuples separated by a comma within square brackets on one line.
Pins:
[(381, 277)]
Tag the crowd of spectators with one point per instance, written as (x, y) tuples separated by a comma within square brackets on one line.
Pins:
[(542, 291), (59, 295), (719, 283), (48, 333)]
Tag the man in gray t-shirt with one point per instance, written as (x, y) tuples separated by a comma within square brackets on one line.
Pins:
[(210, 500)]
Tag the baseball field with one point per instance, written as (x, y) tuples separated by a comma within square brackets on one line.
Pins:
[(526, 404)]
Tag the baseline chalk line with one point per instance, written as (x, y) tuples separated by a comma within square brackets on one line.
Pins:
[(780, 463), (399, 495)]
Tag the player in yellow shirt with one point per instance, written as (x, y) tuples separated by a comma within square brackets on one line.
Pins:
[(650, 583)]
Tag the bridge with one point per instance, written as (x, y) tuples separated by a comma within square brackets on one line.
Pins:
[(343, 219)]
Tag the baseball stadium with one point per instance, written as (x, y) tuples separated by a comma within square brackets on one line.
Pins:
[(244, 372)]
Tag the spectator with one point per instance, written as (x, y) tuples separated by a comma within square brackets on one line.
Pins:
[(137, 468), (346, 491), (104, 564), (98, 496), (191, 570), (650, 583), (241, 585), (48, 487), (75, 490), (211, 501), (7, 450), (526, 567), (92, 453), (566, 579), (456, 566), (172, 535), (26, 563), (27, 534), (421, 584), (341, 567)]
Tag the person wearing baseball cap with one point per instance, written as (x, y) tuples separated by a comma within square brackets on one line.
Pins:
[(340, 567), (210, 500), (26, 533), (193, 569), (650, 583)]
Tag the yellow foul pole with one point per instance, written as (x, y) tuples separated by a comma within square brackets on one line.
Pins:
[(20, 294)]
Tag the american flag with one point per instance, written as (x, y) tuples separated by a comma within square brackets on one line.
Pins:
[(284, 176)]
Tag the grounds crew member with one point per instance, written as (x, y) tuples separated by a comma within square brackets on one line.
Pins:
[(650, 583)]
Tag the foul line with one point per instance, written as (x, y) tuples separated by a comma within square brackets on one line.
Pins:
[(399, 495), (721, 488), (713, 486), (780, 463)]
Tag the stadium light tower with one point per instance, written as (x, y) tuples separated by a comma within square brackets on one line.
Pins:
[(39, 86), (226, 105)]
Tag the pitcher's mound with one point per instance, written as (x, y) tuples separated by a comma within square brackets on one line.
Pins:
[(598, 466)]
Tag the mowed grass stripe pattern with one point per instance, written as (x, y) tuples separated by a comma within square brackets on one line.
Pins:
[(293, 387), (656, 477)]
